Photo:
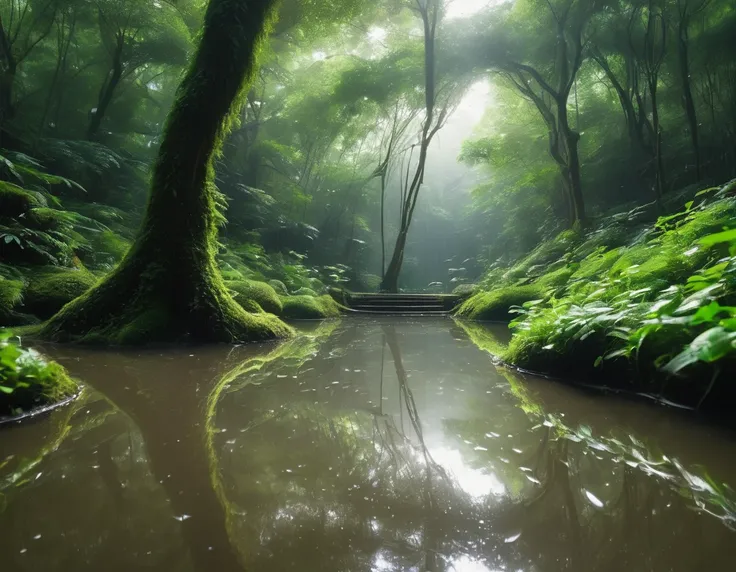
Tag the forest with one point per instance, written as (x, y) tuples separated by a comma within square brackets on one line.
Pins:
[(381, 286), (180, 171)]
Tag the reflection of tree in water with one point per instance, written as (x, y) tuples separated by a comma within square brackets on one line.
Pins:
[(283, 462), (86, 497), (319, 480)]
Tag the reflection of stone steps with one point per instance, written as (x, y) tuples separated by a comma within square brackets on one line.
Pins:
[(415, 304)]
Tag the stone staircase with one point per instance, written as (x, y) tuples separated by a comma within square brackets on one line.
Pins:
[(403, 304)]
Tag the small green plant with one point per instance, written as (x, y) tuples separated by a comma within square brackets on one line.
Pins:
[(27, 379)]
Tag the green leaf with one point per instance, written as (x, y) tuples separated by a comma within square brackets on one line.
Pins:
[(708, 347), (719, 238)]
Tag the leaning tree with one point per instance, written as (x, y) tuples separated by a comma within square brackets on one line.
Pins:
[(168, 287)]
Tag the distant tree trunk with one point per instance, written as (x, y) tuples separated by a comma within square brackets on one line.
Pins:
[(107, 91), (7, 80), (627, 98), (383, 225), (430, 12), (576, 185), (688, 103), (8, 69), (16, 44), (63, 43), (168, 287), (551, 102), (659, 167), (652, 55)]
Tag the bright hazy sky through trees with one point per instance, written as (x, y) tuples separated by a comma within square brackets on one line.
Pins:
[(463, 8)]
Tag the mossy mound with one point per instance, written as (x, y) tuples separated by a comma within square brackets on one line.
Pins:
[(305, 292), (29, 381), (466, 290), (264, 295), (111, 244), (543, 255), (15, 201), (11, 298), (310, 308), (11, 293), (494, 305), (50, 289), (279, 286), (251, 306)]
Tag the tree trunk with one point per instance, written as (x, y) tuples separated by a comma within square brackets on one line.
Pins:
[(570, 139), (658, 163), (7, 111), (390, 281), (112, 80), (383, 225), (430, 14), (168, 287), (687, 93), (576, 186)]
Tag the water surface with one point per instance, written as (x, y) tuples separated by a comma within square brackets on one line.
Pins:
[(363, 445)]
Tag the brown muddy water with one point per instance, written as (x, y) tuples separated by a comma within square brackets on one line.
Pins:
[(387, 444)]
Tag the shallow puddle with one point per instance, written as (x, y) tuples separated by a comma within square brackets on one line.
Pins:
[(364, 444)]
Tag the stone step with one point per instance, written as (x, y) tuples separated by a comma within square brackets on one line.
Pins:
[(399, 312), (402, 307)]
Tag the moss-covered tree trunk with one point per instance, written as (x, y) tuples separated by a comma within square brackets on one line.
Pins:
[(168, 287)]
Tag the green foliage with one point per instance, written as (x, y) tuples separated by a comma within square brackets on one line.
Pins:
[(247, 291), (49, 289), (15, 201), (496, 305), (108, 248), (310, 308), (658, 308), (11, 293), (27, 379)]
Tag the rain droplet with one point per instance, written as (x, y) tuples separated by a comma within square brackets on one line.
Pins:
[(594, 499)]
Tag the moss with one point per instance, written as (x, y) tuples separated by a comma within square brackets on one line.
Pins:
[(466, 290), (34, 380), (251, 306), (306, 292), (11, 293), (543, 255), (248, 291), (279, 286), (310, 308), (44, 218), (608, 237), (596, 264), (51, 288), (15, 201), (556, 278), (541, 347), (111, 243), (494, 305)]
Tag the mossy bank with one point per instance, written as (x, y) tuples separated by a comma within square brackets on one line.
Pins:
[(647, 307), (29, 381)]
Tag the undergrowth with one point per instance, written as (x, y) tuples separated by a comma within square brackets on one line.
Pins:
[(55, 243), (27, 379), (656, 314)]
